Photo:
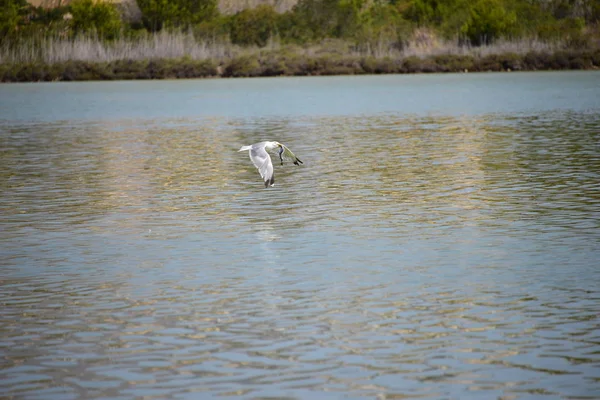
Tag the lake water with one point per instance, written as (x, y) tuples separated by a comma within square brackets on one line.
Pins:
[(441, 240)]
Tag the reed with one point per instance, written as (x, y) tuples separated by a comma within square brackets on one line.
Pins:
[(233, 6), (162, 45), (181, 55), (175, 45), (502, 46)]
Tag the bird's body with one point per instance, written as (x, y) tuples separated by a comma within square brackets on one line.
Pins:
[(262, 161)]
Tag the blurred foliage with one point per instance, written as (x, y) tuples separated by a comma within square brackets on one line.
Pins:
[(95, 17), (489, 20), (12, 16), (157, 14), (368, 24), (382, 24), (254, 26)]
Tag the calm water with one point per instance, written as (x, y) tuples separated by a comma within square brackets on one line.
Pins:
[(441, 240)]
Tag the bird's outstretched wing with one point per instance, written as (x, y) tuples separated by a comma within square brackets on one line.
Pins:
[(287, 153), (262, 161)]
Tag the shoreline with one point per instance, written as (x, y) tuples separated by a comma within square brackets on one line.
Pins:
[(273, 64)]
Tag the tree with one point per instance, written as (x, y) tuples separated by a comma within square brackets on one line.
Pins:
[(95, 17), (381, 26), (488, 21), (198, 10), (254, 26), (315, 19), (12, 14), (348, 17), (433, 12), (157, 14)]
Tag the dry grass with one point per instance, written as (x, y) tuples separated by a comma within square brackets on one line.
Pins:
[(59, 3), (178, 45), (225, 6), (234, 6), (163, 45), (520, 46)]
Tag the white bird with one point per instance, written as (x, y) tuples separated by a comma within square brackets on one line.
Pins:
[(261, 159)]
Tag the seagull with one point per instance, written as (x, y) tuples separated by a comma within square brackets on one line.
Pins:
[(261, 159)]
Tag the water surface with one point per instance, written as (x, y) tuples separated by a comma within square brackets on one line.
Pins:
[(441, 239)]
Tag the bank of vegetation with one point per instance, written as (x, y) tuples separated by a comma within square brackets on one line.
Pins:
[(94, 40)]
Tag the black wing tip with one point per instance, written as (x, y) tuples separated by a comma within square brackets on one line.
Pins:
[(270, 182), (298, 161)]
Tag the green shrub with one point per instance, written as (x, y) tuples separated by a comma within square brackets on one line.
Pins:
[(560, 60), (4, 73), (127, 69), (8, 73), (12, 15), (254, 26), (511, 61), (489, 20), (413, 64), (425, 12), (536, 60), (156, 69), (295, 64), (31, 73), (369, 65), (312, 20), (581, 61), (246, 65), (453, 63), (54, 72), (595, 57), (386, 65), (381, 25), (274, 66), (188, 68), (157, 14), (491, 62), (214, 29), (96, 17)]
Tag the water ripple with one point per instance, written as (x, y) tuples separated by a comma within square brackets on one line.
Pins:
[(410, 257)]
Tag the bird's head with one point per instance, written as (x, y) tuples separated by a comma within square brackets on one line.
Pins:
[(274, 145)]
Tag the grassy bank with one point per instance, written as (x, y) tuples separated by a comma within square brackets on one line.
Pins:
[(284, 64), (177, 55)]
